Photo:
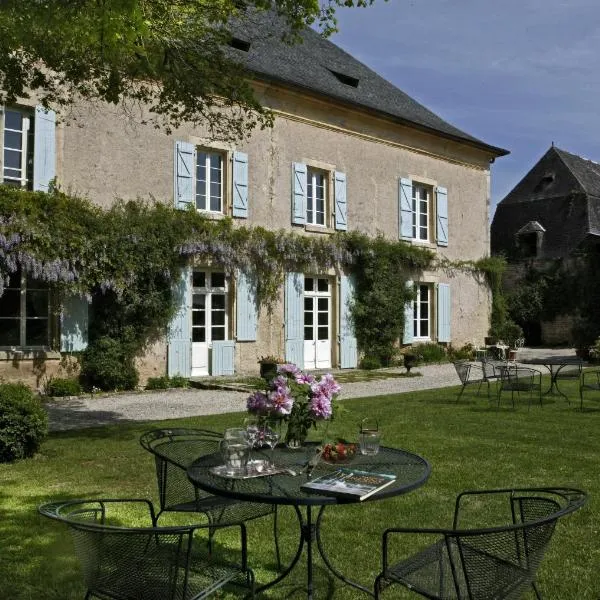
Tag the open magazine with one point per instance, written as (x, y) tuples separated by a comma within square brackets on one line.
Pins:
[(349, 483)]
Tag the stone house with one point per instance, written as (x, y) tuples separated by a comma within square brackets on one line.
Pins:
[(348, 151), (551, 214)]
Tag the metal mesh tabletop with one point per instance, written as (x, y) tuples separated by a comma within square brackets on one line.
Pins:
[(411, 471)]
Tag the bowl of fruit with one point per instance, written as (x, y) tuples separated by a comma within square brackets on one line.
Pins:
[(338, 452)]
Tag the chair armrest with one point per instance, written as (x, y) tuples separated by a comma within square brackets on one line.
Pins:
[(593, 374), (410, 531)]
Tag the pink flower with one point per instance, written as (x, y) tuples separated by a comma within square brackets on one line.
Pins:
[(258, 403), (303, 378), (281, 402), (320, 406), (288, 368)]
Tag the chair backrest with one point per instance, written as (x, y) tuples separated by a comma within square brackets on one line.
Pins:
[(463, 368), (126, 562), (174, 450), (501, 561)]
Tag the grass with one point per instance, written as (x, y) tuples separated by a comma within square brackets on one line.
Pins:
[(470, 444)]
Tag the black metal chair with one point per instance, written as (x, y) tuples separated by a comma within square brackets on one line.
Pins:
[(174, 450), (520, 379), (493, 550), (470, 373), (144, 562), (589, 381)]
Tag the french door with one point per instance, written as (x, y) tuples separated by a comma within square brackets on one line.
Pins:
[(209, 317), (317, 323)]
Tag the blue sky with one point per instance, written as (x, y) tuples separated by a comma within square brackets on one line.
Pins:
[(517, 74)]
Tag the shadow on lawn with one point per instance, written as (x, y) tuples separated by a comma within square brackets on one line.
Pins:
[(71, 414)]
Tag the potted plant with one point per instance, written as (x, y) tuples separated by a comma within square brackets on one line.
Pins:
[(268, 366)]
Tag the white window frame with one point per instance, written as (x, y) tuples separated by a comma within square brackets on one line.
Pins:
[(312, 196), (417, 312), (417, 233), (209, 292), (26, 168), (23, 318), (210, 153)]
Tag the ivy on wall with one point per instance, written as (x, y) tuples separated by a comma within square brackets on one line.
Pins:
[(126, 258)]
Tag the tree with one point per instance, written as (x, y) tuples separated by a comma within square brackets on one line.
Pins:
[(169, 56)]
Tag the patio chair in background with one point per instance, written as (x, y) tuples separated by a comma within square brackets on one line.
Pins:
[(493, 549), (470, 373), (174, 450), (150, 562), (590, 380), (520, 379)]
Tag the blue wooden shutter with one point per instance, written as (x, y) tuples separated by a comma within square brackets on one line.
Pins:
[(294, 319), (44, 149), (246, 307), (223, 358), (179, 338), (74, 324), (408, 336), (298, 193), (442, 216), (185, 174), (444, 311), (405, 209), (348, 345), (240, 185), (341, 209)]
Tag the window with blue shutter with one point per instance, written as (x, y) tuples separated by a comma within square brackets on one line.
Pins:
[(179, 337), (442, 216), (184, 174), (408, 337), (405, 209), (444, 311), (44, 148), (74, 324), (294, 319), (298, 193), (223, 358), (341, 219), (246, 307), (348, 343), (240, 185)]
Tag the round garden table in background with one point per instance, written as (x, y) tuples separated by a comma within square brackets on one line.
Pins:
[(411, 471)]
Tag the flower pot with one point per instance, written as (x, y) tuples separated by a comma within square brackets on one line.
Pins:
[(268, 370), (410, 360)]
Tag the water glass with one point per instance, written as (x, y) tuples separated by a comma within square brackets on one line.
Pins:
[(369, 437), (235, 449)]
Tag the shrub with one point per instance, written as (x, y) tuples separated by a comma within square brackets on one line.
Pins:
[(59, 386), (107, 364), (430, 352), (179, 381), (370, 362), (157, 383), (23, 422)]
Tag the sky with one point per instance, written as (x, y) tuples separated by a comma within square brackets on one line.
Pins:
[(518, 74)]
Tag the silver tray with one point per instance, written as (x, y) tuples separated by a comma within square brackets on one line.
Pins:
[(255, 468)]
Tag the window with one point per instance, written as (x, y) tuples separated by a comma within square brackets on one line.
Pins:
[(422, 312), (24, 310), (421, 200), (17, 148), (209, 306), (316, 197), (209, 181)]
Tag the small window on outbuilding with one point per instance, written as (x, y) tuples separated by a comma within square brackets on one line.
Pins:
[(544, 183), (529, 239)]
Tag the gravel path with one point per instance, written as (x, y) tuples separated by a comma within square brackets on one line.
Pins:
[(82, 412), (76, 413)]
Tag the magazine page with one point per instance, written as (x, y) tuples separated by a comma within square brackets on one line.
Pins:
[(350, 483)]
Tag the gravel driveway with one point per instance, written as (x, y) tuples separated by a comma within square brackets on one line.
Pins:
[(76, 413)]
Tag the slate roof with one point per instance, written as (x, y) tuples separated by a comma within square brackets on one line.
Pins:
[(319, 66), (562, 193)]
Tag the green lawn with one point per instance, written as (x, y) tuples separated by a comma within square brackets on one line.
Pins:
[(469, 444)]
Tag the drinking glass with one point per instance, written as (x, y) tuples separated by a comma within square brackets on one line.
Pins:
[(369, 437), (271, 437), (253, 431)]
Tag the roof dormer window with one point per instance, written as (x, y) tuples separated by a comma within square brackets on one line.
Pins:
[(345, 79)]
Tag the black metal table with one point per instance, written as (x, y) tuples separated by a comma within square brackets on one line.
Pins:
[(411, 472), (554, 364)]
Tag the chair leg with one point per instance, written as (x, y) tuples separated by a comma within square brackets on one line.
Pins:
[(538, 594), (462, 389)]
